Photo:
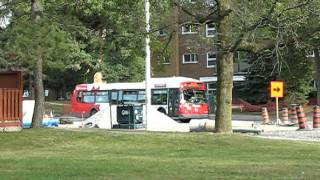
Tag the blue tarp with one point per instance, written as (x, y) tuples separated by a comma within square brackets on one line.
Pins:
[(47, 122)]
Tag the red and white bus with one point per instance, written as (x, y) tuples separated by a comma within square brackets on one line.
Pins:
[(179, 97)]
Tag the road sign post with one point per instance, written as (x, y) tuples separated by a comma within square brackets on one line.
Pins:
[(277, 91), (277, 111)]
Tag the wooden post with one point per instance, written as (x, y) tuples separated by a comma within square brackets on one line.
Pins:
[(277, 111), (1, 104)]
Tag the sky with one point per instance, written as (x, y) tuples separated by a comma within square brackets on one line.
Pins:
[(4, 19)]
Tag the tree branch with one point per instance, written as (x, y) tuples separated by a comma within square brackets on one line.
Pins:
[(212, 17), (259, 22), (177, 4), (256, 47), (168, 42), (294, 7), (264, 20)]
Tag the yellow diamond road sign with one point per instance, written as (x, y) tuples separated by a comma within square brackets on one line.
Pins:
[(277, 89)]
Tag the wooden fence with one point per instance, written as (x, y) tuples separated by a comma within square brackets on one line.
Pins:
[(10, 104)]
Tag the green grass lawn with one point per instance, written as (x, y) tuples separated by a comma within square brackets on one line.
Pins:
[(99, 154)]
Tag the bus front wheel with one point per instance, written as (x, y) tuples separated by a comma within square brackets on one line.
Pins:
[(185, 120), (93, 111), (162, 110)]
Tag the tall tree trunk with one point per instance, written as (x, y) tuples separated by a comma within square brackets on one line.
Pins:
[(39, 95), (317, 78), (36, 9), (223, 123)]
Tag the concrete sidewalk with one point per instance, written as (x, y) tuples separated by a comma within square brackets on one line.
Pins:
[(239, 117)]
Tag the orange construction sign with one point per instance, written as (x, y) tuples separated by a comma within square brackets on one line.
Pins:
[(277, 89)]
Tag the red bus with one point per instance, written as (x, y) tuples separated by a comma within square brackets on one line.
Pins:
[(179, 97)]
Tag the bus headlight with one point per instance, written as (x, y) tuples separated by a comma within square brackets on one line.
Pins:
[(139, 118)]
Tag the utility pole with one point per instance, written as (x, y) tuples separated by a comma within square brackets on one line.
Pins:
[(147, 62)]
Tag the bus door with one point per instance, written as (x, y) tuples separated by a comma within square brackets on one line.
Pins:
[(173, 102), (114, 96), (159, 100)]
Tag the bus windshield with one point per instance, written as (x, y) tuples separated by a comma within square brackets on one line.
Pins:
[(194, 96)]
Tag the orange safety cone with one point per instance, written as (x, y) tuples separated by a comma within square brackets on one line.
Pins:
[(285, 116), (302, 120), (265, 115), (293, 114), (316, 117)]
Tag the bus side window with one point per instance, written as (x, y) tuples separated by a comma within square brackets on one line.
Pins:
[(114, 97), (130, 96), (142, 96), (120, 96), (79, 96), (102, 97), (88, 97)]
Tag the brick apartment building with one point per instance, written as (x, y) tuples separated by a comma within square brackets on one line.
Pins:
[(193, 53)]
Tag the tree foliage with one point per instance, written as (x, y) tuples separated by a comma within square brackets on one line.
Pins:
[(81, 36), (293, 32)]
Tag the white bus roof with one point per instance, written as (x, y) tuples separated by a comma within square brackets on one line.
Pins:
[(169, 82)]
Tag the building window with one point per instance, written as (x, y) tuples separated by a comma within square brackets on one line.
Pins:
[(166, 60), (211, 60), (190, 58), (162, 33), (210, 3), (188, 2), (310, 54), (211, 30), (163, 59), (189, 29)]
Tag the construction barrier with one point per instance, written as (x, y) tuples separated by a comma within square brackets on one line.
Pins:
[(285, 116), (293, 114), (302, 120), (316, 117), (265, 115)]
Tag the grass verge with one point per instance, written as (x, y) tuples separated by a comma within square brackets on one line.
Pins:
[(98, 154)]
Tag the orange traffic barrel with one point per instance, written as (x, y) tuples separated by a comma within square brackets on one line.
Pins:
[(285, 116), (265, 115), (293, 114), (302, 120), (316, 117)]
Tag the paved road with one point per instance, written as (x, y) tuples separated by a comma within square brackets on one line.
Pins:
[(212, 116), (242, 117), (256, 117)]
